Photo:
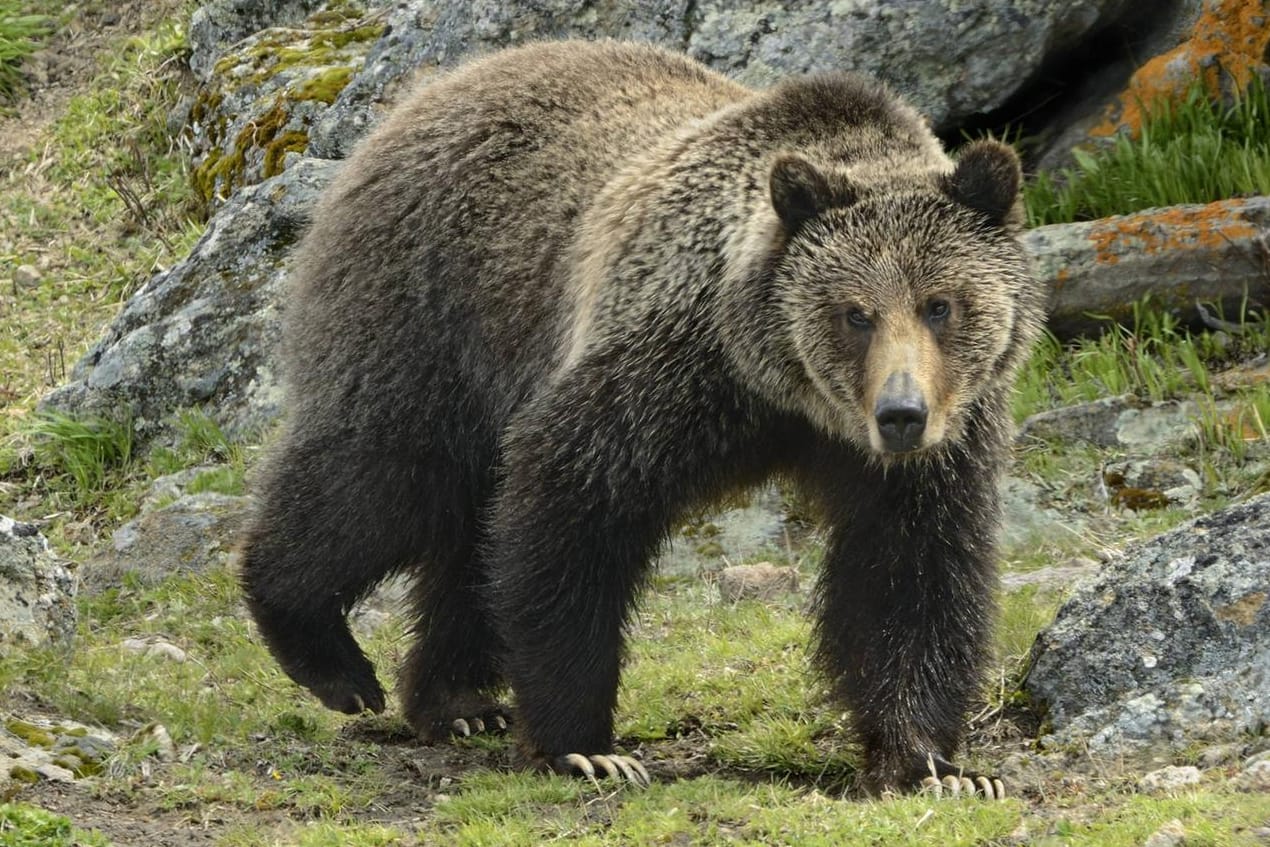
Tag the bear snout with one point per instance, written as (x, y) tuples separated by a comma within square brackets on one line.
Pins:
[(900, 413)]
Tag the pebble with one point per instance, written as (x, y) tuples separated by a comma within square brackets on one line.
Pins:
[(762, 581), (27, 276), (155, 647), (1172, 834), (1169, 779)]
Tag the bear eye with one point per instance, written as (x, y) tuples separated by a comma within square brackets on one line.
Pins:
[(937, 310), (857, 319)]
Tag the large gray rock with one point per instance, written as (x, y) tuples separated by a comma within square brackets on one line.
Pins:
[(220, 23), (1125, 421), (203, 332), (37, 592), (194, 534), (953, 59), (1170, 644)]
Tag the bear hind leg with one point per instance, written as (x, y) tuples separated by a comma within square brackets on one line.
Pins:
[(450, 680), (331, 527)]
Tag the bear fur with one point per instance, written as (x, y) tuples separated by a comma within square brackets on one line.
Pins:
[(573, 291)]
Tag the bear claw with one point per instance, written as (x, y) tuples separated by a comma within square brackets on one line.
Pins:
[(467, 727), (613, 767), (990, 789)]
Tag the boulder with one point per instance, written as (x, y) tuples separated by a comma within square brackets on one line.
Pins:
[(194, 534), (1168, 645), (1124, 421), (220, 23), (203, 332), (36, 749), (954, 60), (37, 591)]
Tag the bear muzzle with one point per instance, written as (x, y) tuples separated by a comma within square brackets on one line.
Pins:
[(900, 413)]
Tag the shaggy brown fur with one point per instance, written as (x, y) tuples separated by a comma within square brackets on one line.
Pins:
[(571, 291)]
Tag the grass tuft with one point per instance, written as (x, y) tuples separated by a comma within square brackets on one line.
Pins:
[(87, 450), (22, 825), (1155, 359), (1192, 151), (20, 36)]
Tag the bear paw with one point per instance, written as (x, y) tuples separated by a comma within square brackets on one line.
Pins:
[(350, 696), (622, 768)]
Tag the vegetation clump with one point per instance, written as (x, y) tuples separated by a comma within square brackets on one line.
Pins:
[(20, 36), (1193, 150)]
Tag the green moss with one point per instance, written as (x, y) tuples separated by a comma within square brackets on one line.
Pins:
[(222, 171), (21, 773), (325, 86), (205, 106), (30, 733), (337, 12), (279, 52), (276, 150), (217, 168), (338, 38)]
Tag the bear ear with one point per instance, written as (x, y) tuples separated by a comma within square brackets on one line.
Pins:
[(800, 192), (987, 179)]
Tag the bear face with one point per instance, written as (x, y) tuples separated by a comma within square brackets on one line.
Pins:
[(896, 300)]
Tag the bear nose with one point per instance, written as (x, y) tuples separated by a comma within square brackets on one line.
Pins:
[(900, 412)]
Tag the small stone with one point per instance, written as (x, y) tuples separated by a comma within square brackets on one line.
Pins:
[(762, 581), (164, 747), (1139, 484), (1172, 834), (55, 773), (27, 276), (1168, 779), (154, 647), (1255, 777), (1052, 577), (1219, 754)]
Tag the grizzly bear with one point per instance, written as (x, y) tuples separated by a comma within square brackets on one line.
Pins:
[(569, 293)]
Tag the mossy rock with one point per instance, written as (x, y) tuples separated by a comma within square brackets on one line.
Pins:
[(264, 97)]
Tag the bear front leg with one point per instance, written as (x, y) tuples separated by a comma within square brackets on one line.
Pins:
[(565, 562), (593, 476), (905, 609)]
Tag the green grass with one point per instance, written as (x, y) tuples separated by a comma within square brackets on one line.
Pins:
[(88, 451), (1154, 359), (22, 825), (102, 200), (1193, 151), (20, 35)]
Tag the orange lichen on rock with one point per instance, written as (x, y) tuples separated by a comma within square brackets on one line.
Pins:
[(1174, 228), (1229, 38)]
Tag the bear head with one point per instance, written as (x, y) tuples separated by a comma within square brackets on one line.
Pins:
[(905, 303)]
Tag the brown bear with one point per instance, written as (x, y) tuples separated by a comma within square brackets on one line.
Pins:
[(570, 292)]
